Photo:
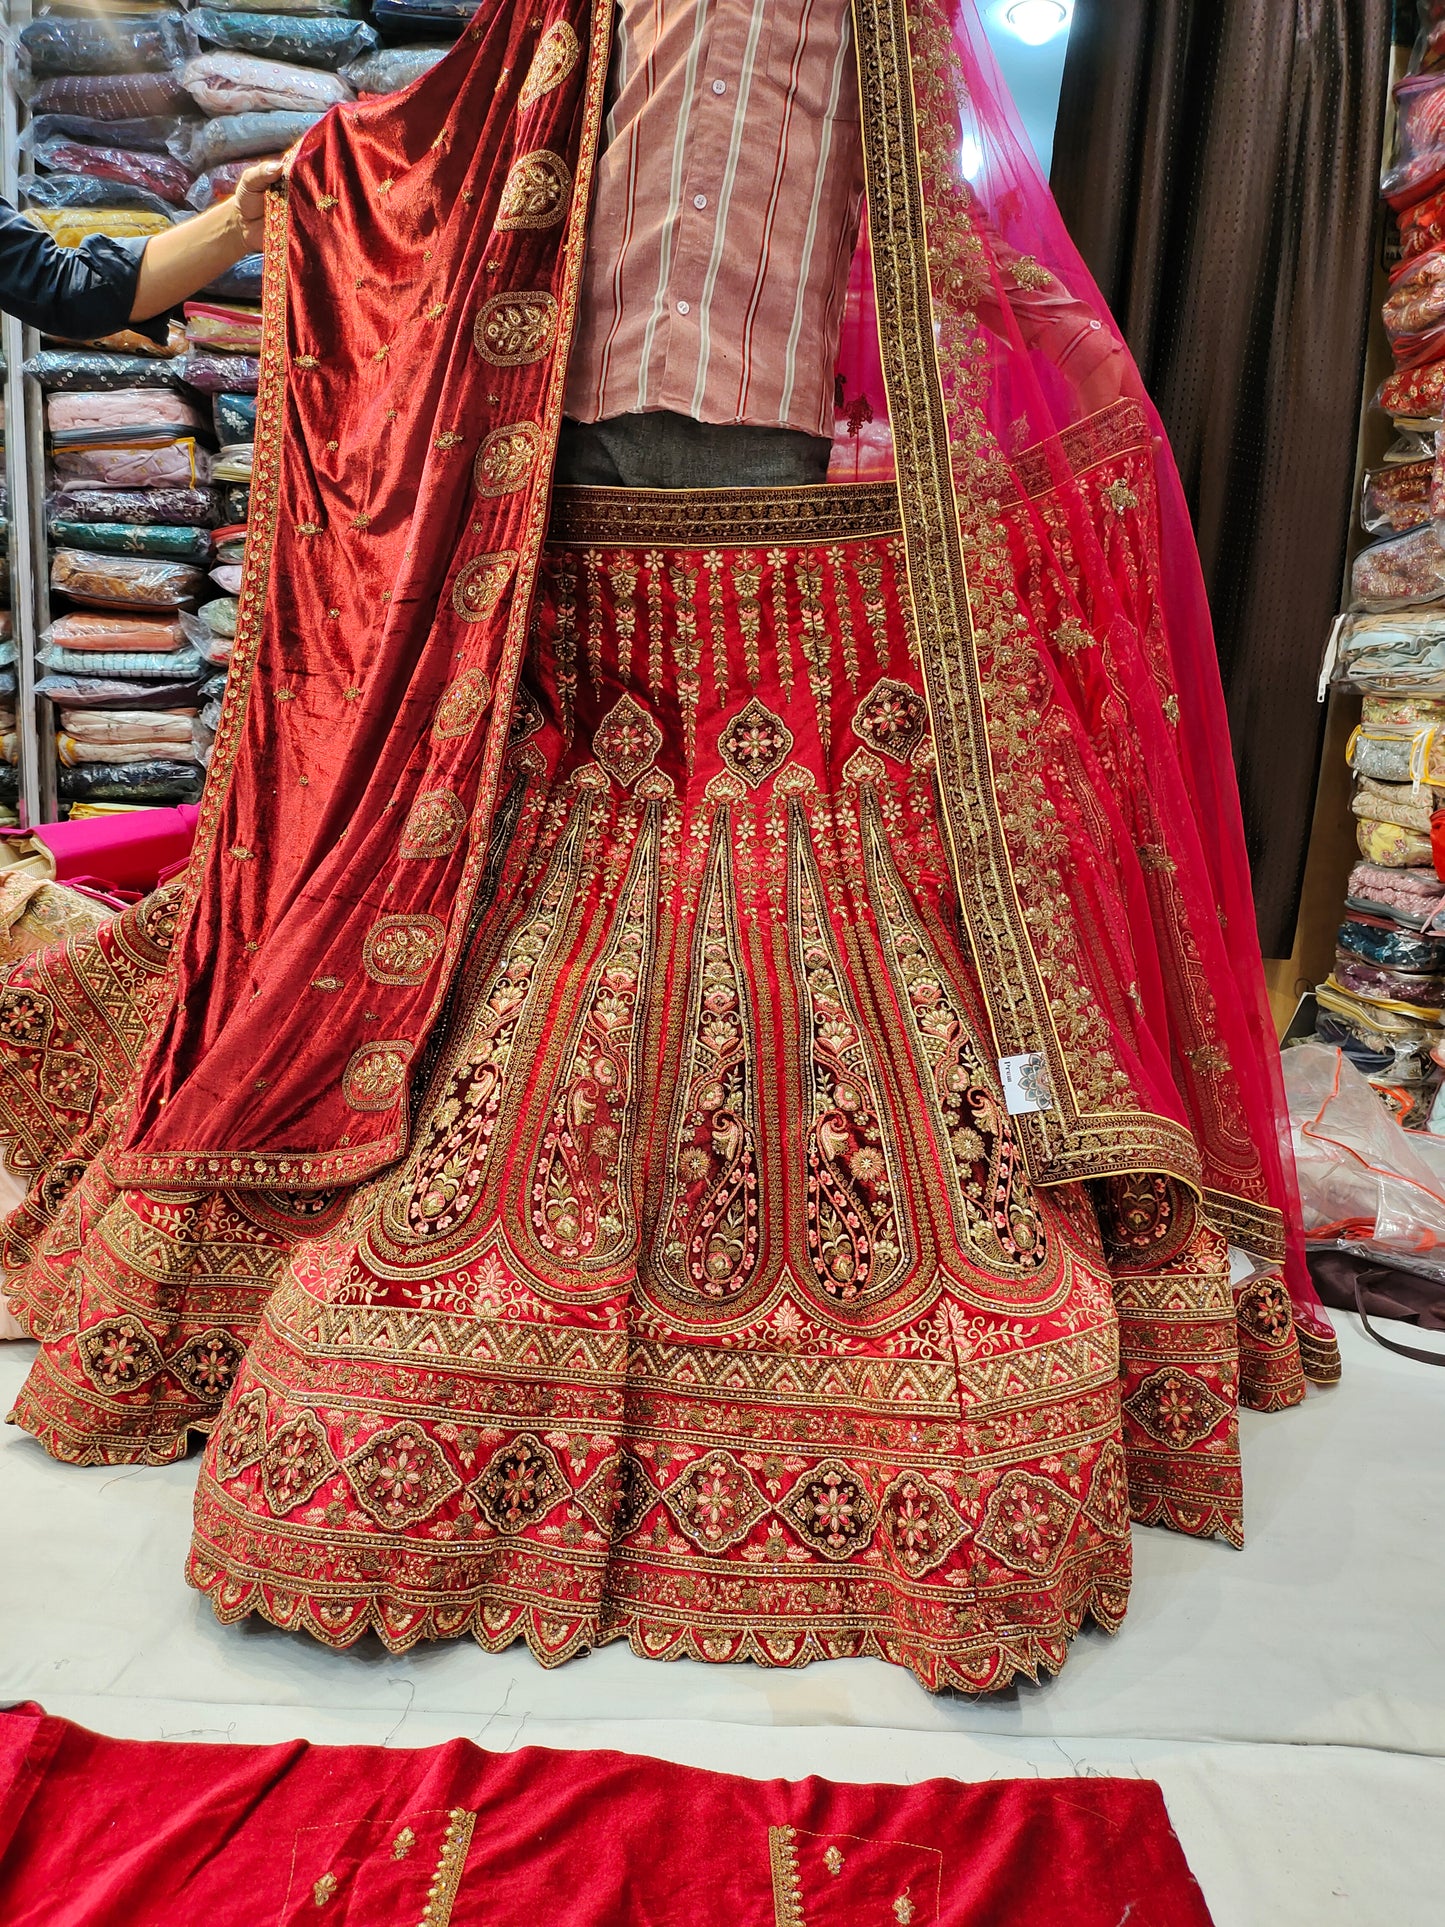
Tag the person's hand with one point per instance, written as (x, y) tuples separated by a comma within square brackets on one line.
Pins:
[(250, 198)]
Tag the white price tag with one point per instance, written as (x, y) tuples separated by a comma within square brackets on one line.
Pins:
[(1025, 1084)]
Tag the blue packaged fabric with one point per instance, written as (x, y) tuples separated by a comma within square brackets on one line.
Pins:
[(144, 665), (119, 44), (85, 190), (424, 16), (144, 136), (240, 283), (235, 418), (310, 39), (390, 69), (1391, 949), (236, 137)]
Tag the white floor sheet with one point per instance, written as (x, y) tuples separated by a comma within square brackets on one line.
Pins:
[(1289, 1698)]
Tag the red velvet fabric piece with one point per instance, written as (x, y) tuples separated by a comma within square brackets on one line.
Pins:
[(97, 1832)]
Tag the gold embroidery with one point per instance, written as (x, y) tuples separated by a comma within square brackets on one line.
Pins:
[(434, 825), (402, 949), (833, 1861), (747, 587), (626, 741), (755, 744), (326, 983), (308, 528), (787, 1882), (403, 1844), (536, 192), (892, 719), (449, 438), (903, 1910), (558, 52), (306, 361), (512, 330), (712, 562), (447, 1880), (462, 703), (375, 1074), (481, 584), (1120, 496), (686, 657), (240, 853), (361, 520), (843, 606), (1071, 636), (506, 458), (325, 1887), (1031, 274)]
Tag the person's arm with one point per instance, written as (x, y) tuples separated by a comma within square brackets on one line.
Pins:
[(194, 252), (75, 292)]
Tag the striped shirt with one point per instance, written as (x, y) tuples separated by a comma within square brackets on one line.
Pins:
[(726, 214)]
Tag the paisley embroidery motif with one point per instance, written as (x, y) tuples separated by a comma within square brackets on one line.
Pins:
[(481, 584), (506, 458), (451, 1160), (581, 1194), (558, 52), (434, 825), (710, 1240), (513, 330), (536, 192), (462, 703), (995, 1208), (375, 1074), (855, 1236), (401, 950)]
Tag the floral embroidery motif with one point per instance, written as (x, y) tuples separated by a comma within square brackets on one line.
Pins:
[(710, 1239), (1027, 1522), (1263, 1309), (833, 1861), (1176, 1408), (1031, 274), (481, 584), (401, 950), (451, 1159), (619, 1495), (558, 52), (536, 192), (512, 330), (891, 719), (434, 825), (242, 1435), (296, 1462), (520, 1485), (756, 743), (903, 1910), (582, 1206), (25, 1018), (921, 1523), (830, 1510), (375, 1075), (399, 1476), (626, 741), (119, 1356), (325, 1887), (208, 1365), (715, 1502), (1107, 1504), (506, 458), (403, 1844), (855, 1243), (462, 704)]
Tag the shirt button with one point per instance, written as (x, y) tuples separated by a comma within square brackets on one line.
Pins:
[(719, 86), (684, 307), (699, 200)]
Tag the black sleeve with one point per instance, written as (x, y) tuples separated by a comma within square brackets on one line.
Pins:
[(79, 293)]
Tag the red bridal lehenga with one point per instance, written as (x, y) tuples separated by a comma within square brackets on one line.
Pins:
[(701, 1076)]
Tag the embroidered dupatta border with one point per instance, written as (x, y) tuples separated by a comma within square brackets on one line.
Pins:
[(311, 1169)]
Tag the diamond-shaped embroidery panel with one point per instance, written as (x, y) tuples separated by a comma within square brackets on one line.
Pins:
[(626, 741), (891, 719), (519, 1484), (619, 1495), (1176, 1408), (241, 1435), (400, 1476), (1107, 1505), (830, 1510), (1027, 1522), (921, 1522), (207, 1367), (715, 1502), (119, 1355), (756, 743), (297, 1460)]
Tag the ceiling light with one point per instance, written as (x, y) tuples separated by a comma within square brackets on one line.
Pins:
[(1035, 21)]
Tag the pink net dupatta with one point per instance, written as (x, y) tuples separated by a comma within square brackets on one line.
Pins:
[(1084, 764)]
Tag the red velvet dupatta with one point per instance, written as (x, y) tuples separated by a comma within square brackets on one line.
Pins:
[(422, 275)]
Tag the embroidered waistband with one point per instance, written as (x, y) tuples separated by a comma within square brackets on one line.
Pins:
[(707, 518)]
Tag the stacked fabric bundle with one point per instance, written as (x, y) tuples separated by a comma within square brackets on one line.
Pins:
[(9, 783)]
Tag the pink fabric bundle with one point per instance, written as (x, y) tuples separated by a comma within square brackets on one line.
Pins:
[(109, 634), (223, 328), (120, 408), (233, 83), (1414, 893)]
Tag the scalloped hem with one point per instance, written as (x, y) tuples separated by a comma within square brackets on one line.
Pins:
[(553, 1640), (159, 1448)]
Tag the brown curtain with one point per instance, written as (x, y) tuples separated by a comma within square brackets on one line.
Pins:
[(1216, 161)]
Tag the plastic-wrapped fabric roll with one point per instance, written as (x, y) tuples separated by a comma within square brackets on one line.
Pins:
[(128, 341), (220, 374), (424, 16), (158, 174), (153, 134), (235, 499), (390, 69), (1380, 943), (78, 752), (136, 665), (110, 96), (149, 782), (69, 226), (84, 370), (1391, 845), (178, 464), (1397, 498), (164, 541), (240, 283), (197, 506), (234, 462), (123, 582), (312, 42), (105, 692), (82, 409), (235, 137), (81, 633), (227, 578), (214, 327), (218, 618), (134, 43), (230, 544), (234, 417), (239, 83), (1403, 570), (84, 190)]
